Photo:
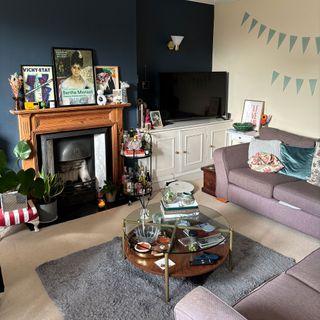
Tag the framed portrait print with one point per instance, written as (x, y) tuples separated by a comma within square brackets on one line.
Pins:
[(38, 83), (75, 85), (155, 118), (252, 112), (107, 80)]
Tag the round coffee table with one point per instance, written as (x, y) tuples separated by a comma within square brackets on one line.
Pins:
[(181, 255)]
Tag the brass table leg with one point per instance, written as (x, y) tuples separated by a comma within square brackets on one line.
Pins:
[(230, 249), (123, 238), (166, 276)]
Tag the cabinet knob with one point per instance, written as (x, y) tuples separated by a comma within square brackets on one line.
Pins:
[(211, 146), (185, 151), (177, 152)]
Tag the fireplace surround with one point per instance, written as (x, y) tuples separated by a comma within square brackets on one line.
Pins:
[(34, 123)]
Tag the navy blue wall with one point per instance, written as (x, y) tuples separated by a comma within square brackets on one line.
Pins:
[(29, 30), (157, 20), (127, 33)]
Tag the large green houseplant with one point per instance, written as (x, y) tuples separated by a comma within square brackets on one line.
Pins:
[(21, 184), (47, 204)]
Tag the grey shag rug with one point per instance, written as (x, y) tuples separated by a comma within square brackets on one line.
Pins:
[(97, 283)]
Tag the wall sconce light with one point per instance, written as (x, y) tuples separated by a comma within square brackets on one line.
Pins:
[(175, 42)]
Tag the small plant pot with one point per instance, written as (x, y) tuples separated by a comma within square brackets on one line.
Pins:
[(48, 212), (111, 197)]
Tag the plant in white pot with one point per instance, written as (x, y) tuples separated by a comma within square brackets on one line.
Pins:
[(110, 190), (47, 204)]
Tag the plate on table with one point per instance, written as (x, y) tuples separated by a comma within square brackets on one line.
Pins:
[(181, 186), (142, 247)]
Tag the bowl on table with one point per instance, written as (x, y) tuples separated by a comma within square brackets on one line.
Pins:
[(147, 233)]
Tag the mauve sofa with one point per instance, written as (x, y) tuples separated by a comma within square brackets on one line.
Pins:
[(261, 192), (293, 295)]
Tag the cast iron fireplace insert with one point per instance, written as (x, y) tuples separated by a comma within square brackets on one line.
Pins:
[(83, 161)]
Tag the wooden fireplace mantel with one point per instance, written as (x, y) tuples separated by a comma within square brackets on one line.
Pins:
[(44, 121)]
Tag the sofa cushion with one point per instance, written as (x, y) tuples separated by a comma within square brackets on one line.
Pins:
[(288, 138), (307, 270), (257, 182), (297, 161), (281, 299), (265, 162), (268, 146), (202, 304), (315, 167), (299, 194)]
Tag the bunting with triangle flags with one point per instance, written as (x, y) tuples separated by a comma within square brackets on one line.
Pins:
[(305, 40), (298, 81)]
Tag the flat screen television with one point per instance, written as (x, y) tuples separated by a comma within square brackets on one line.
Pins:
[(193, 95)]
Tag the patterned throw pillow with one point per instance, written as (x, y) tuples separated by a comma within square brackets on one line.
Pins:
[(265, 162), (315, 167)]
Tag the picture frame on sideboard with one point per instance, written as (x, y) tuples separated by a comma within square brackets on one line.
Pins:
[(252, 112), (156, 120)]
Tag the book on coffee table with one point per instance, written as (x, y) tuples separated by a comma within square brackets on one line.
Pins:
[(211, 241)]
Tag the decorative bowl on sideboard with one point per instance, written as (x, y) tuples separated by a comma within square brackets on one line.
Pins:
[(243, 126)]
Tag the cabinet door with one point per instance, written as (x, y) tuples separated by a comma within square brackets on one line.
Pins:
[(216, 138), (192, 143), (166, 156)]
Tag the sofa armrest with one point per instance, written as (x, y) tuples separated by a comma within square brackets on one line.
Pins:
[(226, 159), (202, 304)]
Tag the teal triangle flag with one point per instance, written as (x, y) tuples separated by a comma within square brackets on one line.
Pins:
[(270, 35), (261, 30), (293, 40), (245, 17), (286, 81), (305, 42), (312, 84), (299, 83), (318, 44), (275, 75), (253, 24), (281, 38)]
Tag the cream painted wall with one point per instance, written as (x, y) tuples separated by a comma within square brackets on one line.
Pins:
[(250, 61)]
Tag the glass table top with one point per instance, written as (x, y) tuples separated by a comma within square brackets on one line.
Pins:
[(175, 235)]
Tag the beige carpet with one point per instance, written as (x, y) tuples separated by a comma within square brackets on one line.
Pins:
[(21, 251)]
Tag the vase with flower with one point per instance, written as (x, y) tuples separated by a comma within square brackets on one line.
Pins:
[(15, 82)]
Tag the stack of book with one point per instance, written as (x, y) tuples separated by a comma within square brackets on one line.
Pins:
[(176, 210)]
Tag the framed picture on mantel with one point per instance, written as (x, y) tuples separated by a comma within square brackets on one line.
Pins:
[(75, 85), (38, 83), (252, 112)]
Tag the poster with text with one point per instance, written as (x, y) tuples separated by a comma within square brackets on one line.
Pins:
[(74, 76), (38, 83)]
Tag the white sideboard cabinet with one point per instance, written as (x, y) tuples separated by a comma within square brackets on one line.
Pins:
[(184, 147)]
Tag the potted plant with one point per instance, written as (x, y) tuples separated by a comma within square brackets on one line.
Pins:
[(47, 204), (110, 190), (16, 187)]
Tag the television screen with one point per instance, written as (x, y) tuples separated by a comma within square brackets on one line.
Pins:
[(192, 95)]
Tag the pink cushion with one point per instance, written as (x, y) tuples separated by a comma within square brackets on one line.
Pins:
[(265, 162), (10, 218)]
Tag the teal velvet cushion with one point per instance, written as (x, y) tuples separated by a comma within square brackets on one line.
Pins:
[(297, 161)]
